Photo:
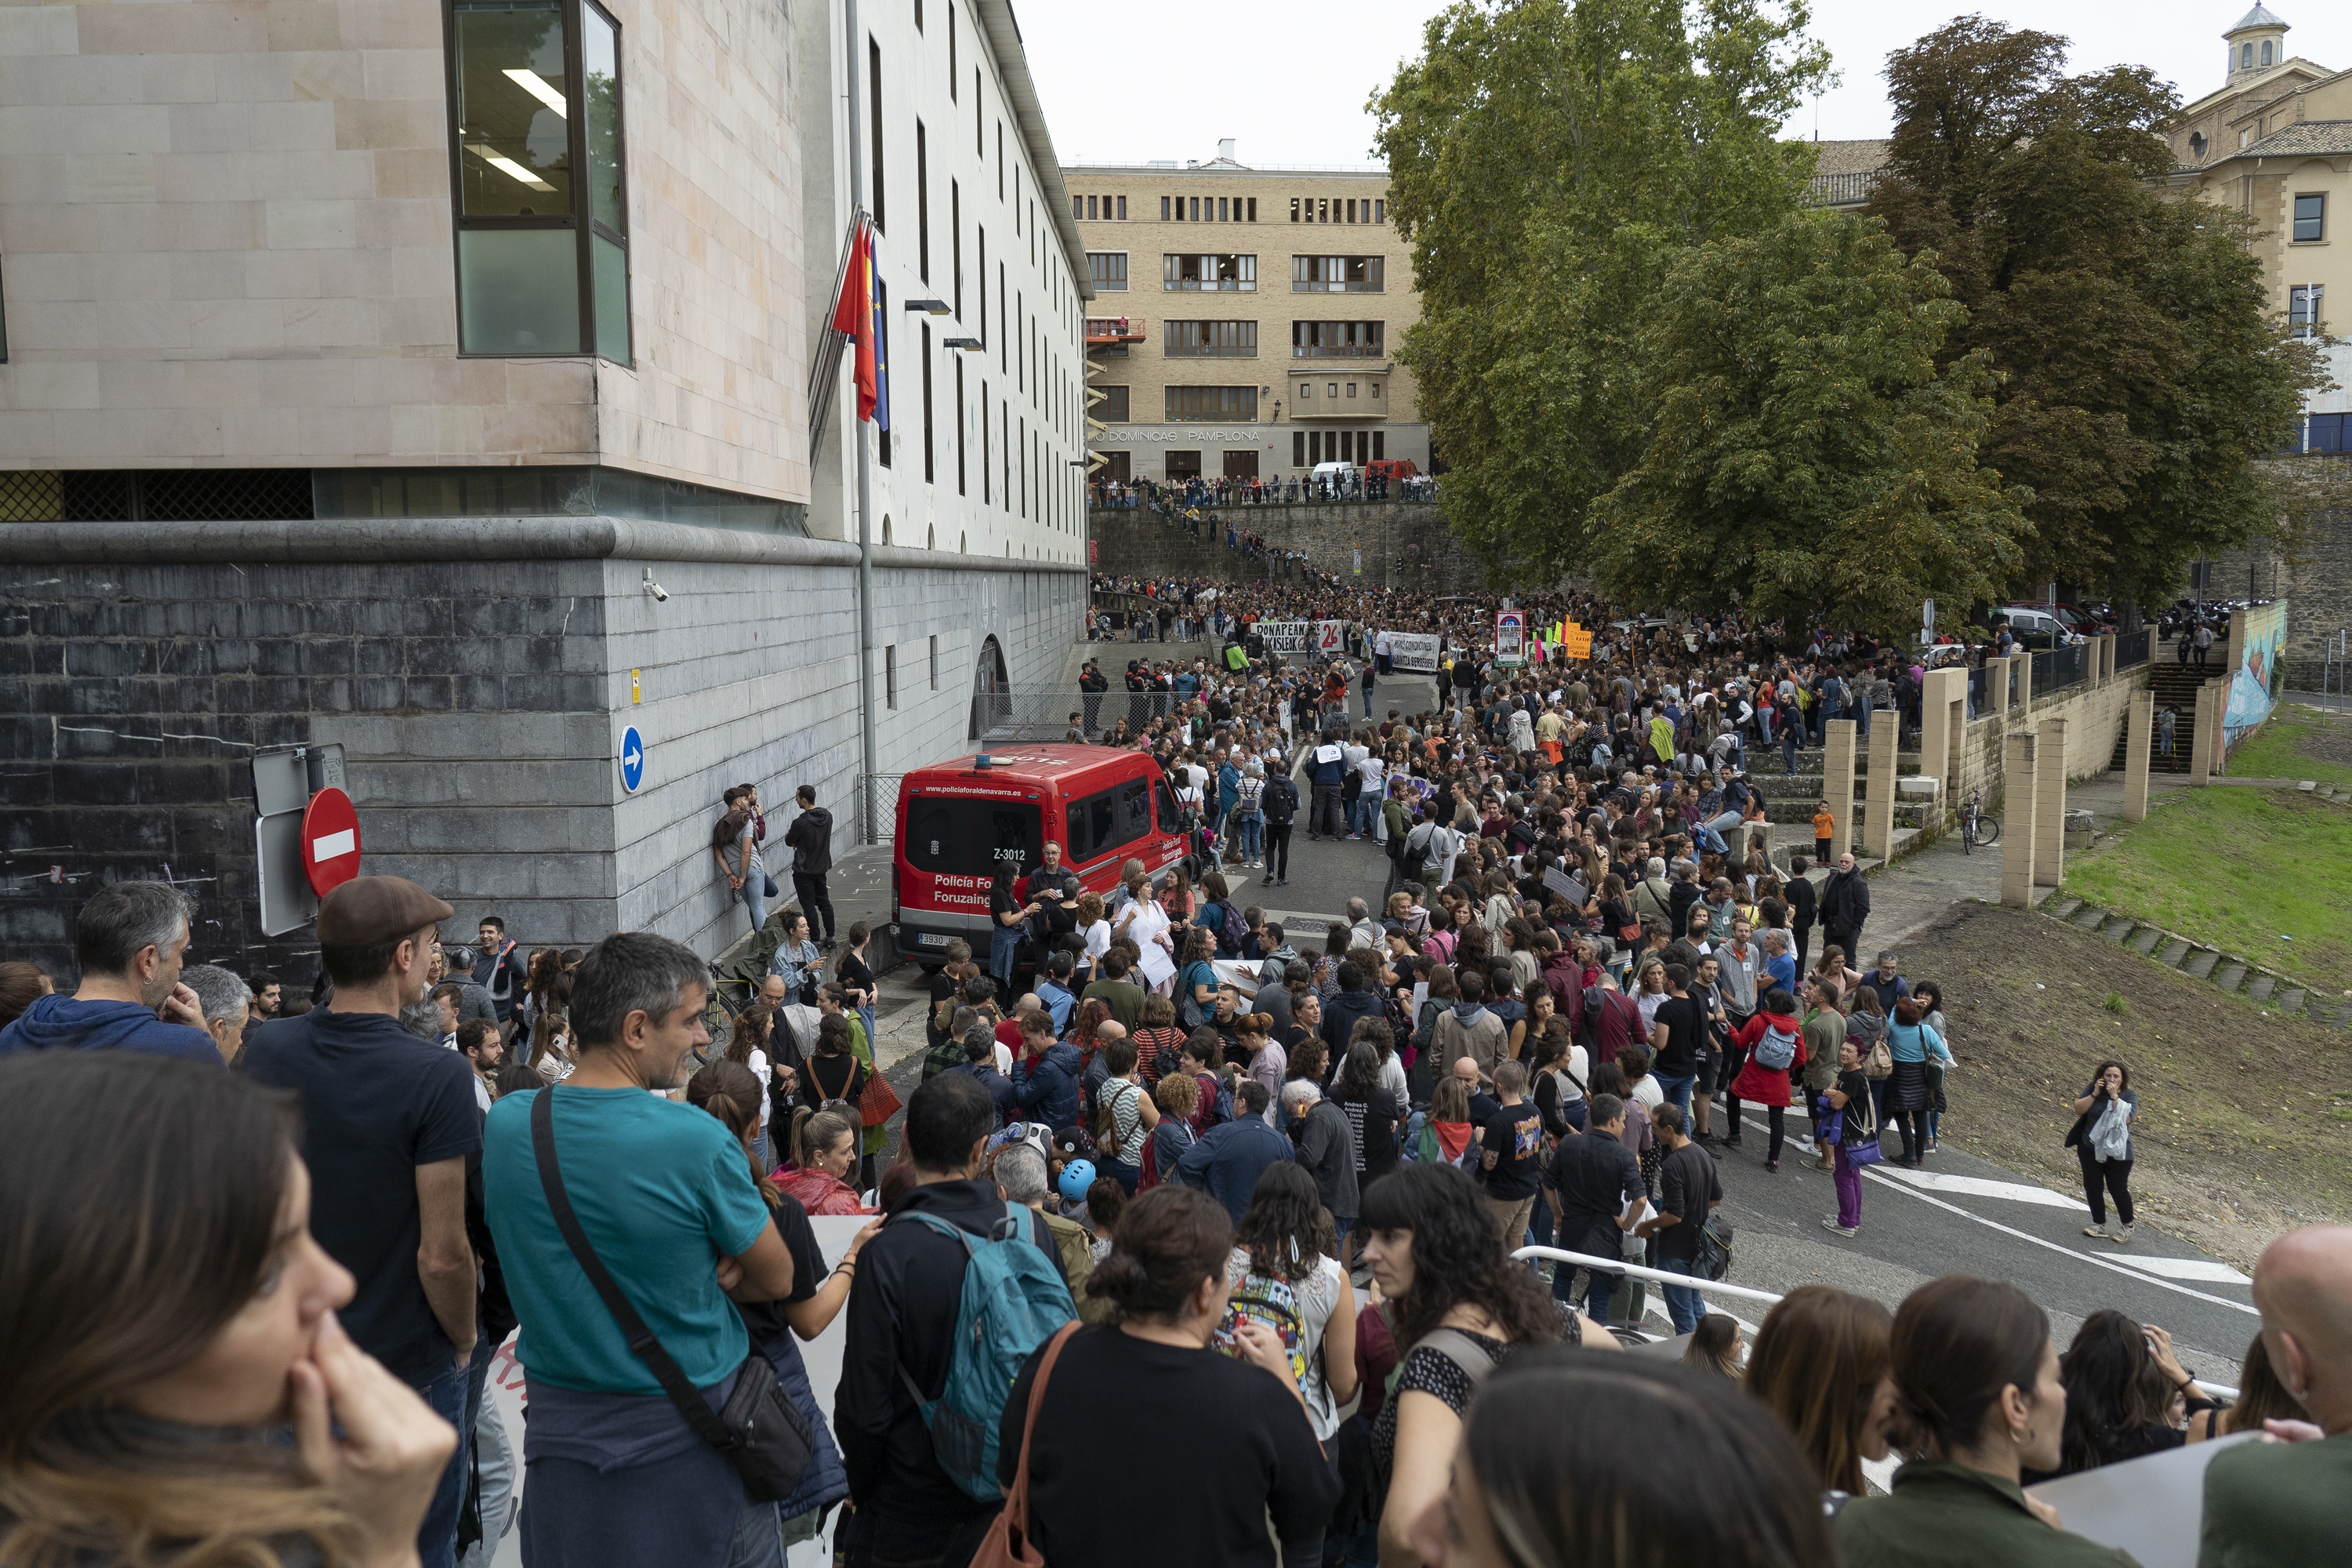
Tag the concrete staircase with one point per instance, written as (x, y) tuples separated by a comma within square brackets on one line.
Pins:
[(2227, 972), (2175, 686)]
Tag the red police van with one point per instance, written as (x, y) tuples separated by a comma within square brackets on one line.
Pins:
[(959, 821)]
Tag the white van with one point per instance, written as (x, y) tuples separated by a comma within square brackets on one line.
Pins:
[(1338, 472)]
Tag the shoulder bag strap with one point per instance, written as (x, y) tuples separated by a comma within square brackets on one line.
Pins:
[(642, 1342), (1461, 1350)]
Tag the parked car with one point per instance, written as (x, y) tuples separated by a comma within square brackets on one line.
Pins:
[(2036, 627)]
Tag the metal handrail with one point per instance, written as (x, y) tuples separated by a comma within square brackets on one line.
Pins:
[(1637, 1271), (1693, 1282)]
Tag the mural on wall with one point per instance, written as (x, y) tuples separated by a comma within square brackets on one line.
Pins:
[(2258, 637)]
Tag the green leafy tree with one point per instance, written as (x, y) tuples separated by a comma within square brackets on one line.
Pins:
[(1809, 456), (1547, 160), (2140, 374)]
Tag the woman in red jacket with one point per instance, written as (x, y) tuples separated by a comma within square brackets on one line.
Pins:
[(1775, 1043)]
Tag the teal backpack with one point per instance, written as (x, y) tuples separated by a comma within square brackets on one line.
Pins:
[(1013, 1300)]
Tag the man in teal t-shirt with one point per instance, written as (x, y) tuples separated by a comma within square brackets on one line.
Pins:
[(2289, 1505), (664, 1197)]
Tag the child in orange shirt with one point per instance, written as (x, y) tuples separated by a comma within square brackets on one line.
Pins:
[(1824, 832)]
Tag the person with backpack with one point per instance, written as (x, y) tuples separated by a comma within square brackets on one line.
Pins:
[(945, 1307), (1775, 1043), (1224, 917), (1239, 1421), (1280, 803), (1285, 1272)]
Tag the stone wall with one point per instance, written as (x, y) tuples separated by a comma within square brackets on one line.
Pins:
[(1135, 540), (2316, 585), (2096, 712), (479, 675)]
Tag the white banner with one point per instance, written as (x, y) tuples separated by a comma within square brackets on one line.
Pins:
[(1415, 651), (1284, 637)]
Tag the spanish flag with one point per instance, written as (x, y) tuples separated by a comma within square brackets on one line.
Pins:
[(857, 316)]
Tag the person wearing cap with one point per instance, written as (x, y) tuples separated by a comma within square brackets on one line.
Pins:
[(388, 1121)]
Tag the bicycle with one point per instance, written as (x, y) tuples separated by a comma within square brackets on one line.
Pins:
[(1976, 830), (720, 1013)]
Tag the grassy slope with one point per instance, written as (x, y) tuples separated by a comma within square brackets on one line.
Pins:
[(2239, 869), (2246, 1130), (2299, 742)]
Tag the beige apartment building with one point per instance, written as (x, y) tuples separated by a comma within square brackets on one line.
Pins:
[(2274, 141), (1244, 319)]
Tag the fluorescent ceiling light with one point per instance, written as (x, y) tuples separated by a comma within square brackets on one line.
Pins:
[(507, 167), (540, 87)]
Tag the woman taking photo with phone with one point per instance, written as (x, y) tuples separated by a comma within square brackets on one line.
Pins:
[(2102, 1139)]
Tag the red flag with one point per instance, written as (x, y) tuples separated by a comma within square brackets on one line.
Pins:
[(852, 315)]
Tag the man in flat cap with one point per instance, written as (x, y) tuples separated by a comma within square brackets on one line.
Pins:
[(387, 1122)]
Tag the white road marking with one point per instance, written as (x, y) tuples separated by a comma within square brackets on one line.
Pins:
[(2204, 1268), (1978, 1187), (2107, 1263)]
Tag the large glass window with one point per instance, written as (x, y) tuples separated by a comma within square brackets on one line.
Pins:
[(1107, 269), (1212, 403), (2310, 218), (1336, 274), (540, 178), (1221, 272), (1334, 340), (1211, 339)]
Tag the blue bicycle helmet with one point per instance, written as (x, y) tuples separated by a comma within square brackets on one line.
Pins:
[(1076, 1177)]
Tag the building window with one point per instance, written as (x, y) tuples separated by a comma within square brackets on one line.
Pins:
[(2310, 218), (935, 663), (962, 418), (2304, 301), (1298, 449), (955, 238), (1376, 389), (2266, 51), (891, 676), (1306, 391), (1315, 446), (1211, 339), (1293, 209), (2246, 57), (952, 55), (1330, 389), (1379, 442), (1107, 269), (1226, 272), (873, 113), (1379, 209), (1352, 389), (1212, 403), (4, 328), (543, 256), (929, 472), (1334, 340), (1163, 209), (1122, 206), (922, 202), (1252, 209), (1112, 409), (1336, 274), (882, 371), (918, 15)]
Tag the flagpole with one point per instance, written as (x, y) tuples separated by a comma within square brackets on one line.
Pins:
[(868, 812)]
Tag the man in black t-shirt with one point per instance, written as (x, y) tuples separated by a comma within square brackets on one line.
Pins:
[(1594, 1187), (387, 1122), (1675, 1036), (1512, 1140), (1688, 1188)]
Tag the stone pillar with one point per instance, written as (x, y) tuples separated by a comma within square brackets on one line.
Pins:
[(1943, 728), (1996, 688), (2022, 663), (2017, 803), (1878, 824), (2200, 747), (2139, 738), (2106, 670), (1837, 778), (2049, 803)]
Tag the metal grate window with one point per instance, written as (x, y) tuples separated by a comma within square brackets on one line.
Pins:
[(167, 495)]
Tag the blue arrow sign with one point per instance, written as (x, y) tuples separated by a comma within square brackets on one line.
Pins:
[(632, 759)]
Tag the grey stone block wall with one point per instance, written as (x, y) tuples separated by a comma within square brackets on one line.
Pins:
[(480, 701)]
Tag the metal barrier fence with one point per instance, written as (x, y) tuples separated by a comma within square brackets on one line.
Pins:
[(2058, 668), (878, 808), (2135, 648), (1979, 686)]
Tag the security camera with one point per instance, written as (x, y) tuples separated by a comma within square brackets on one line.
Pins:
[(660, 593)]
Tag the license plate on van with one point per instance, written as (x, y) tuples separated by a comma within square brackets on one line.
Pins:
[(932, 939)]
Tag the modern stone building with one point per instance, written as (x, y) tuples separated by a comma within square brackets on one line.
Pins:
[(1245, 320), (448, 380)]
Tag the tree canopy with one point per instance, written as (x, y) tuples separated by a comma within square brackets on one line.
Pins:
[(2140, 374), (1809, 454), (1547, 161)]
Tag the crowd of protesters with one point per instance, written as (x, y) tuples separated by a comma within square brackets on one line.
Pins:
[(245, 1324), (1188, 496), (1167, 1171)]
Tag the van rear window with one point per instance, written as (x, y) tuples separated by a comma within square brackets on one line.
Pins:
[(951, 837), (1099, 824)]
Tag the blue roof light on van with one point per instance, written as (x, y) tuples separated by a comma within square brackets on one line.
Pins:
[(980, 764)]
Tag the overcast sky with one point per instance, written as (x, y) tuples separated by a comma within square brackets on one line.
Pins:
[(1289, 80)]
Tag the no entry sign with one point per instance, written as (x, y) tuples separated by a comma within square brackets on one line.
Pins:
[(331, 840)]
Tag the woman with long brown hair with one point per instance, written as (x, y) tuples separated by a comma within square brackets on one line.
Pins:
[(746, 1046), (1820, 1363), (163, 1313)]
